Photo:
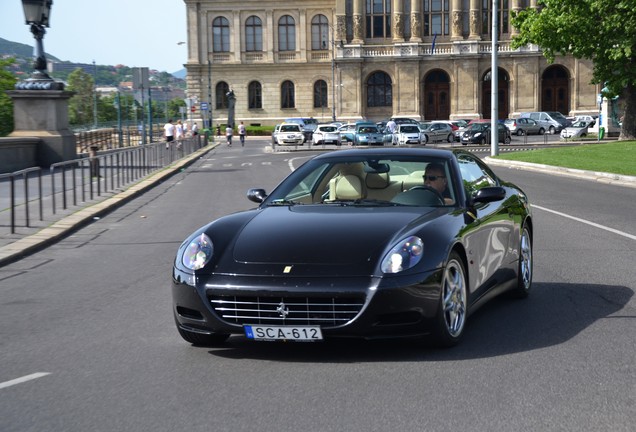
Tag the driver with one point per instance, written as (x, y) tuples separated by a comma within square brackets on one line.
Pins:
[(435, 177)]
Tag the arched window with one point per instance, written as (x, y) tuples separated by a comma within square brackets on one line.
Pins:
[(287, 95), (379, 90), (253, 34), (286, 34), (436, 21), (254, 95), (321, 96), (319, 33), (220, 35), (378, 18), (221, 95)]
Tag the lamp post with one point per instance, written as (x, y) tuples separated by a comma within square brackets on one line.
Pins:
[(36, 13), (333, 77)]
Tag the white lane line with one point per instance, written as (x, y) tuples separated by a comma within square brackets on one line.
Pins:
[(23, 379), (603, 227)]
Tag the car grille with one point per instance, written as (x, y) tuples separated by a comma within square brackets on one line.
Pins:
[(322, 311)]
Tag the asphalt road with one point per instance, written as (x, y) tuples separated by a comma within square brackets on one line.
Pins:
[(87, 340)]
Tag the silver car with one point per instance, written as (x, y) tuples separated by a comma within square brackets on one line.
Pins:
[(408, 134), (524, 126), (438, 132)]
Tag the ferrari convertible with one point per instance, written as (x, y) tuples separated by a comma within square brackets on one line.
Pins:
[(359, 243)]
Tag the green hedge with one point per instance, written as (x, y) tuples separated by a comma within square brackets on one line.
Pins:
[(251, 130)]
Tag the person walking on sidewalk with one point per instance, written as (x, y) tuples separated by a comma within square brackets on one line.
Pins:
[(168, 133), (228, 135), (241, 131)]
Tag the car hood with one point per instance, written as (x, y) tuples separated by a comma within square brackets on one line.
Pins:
[(323, 235)]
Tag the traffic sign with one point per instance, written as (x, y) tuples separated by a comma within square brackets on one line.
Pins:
[(204, 106), (193, 109)]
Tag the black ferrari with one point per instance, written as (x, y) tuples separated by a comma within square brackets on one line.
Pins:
[(367, 243)]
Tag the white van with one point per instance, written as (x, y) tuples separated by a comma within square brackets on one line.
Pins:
[(553, 121)]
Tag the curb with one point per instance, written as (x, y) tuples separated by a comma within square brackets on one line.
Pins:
[(597, 176)]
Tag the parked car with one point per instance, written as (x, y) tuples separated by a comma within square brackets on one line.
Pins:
[(400, 120), (275, 133), (407, 133), (578, 129), (589, 119), (479, 133), (347, 131), (524, 126), (438, 131), (308, 125), (367, 134), (326, 134), (552, 121), (289, 133), (337, 249)]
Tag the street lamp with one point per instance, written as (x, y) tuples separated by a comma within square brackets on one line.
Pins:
[(36, 13)]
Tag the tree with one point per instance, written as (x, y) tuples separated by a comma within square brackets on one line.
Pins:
[(80, 106), (7, 82), (603, 31)]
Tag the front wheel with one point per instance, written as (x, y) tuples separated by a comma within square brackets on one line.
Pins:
[(552, 130), (450, 138), (507, 140), (453, 303), (541, 131)]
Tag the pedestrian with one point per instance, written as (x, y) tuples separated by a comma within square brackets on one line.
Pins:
[(195, 129), (168, 132), (179, 133), (241, 131), (391, 126), (228, 135)]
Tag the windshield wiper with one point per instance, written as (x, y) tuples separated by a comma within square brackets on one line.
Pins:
[(283, 202)]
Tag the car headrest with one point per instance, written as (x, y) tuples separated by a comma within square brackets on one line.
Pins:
[(377, 180), (349, 187)]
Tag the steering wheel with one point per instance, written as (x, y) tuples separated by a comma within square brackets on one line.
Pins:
[(435, 192)]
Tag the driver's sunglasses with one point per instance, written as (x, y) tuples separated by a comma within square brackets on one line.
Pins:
[(433, 178)]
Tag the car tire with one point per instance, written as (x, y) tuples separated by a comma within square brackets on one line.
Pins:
[(453, 303), (450, 138), (520, 132), (552, 130), (541, 131), (198, 339), (524, 269), (507, 140)]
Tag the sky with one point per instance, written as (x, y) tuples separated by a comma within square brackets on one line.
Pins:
[(135, 33)]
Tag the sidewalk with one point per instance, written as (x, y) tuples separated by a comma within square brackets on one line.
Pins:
[(17, 246)]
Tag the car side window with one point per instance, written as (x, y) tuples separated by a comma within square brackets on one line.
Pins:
[(474, 175)]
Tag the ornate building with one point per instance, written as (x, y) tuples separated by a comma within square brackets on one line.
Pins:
[(353, 59)]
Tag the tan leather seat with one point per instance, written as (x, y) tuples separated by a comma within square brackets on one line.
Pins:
[(349, 187)]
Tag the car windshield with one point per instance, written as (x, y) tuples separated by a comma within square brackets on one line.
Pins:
[(479, 126), (557, 115), (327, 129), (409, 129), (361, 181), (289, 128), (368, 129)]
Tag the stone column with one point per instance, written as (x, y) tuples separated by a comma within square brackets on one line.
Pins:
[(456, 20), (397, 19), (516, 7), (43, 114), (475, 20), (340, 24), (416, 21), (358, 22)]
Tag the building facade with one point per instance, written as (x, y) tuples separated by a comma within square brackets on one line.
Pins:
[(373, 59)]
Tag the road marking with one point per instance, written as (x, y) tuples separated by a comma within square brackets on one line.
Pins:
[(23, 379), (603, 227)]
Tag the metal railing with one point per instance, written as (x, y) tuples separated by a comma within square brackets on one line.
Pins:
[(74, 183)]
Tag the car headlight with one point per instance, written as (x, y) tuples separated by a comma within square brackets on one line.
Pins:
[(404, 255), (478, 134), (198, 253)]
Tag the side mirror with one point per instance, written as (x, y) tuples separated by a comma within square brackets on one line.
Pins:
[(256, 195), (489, 194)]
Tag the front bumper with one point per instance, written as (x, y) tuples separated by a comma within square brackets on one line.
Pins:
[(395, 306)]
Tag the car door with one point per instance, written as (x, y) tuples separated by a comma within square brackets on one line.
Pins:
[(489, 229)]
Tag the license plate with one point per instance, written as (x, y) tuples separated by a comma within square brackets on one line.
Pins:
[(291, 333)]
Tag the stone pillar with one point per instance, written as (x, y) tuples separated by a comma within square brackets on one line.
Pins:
[(358, 22), (43, 114), (416, 21), (457, 20), (516, 7), (475, 19), (398, 20)]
